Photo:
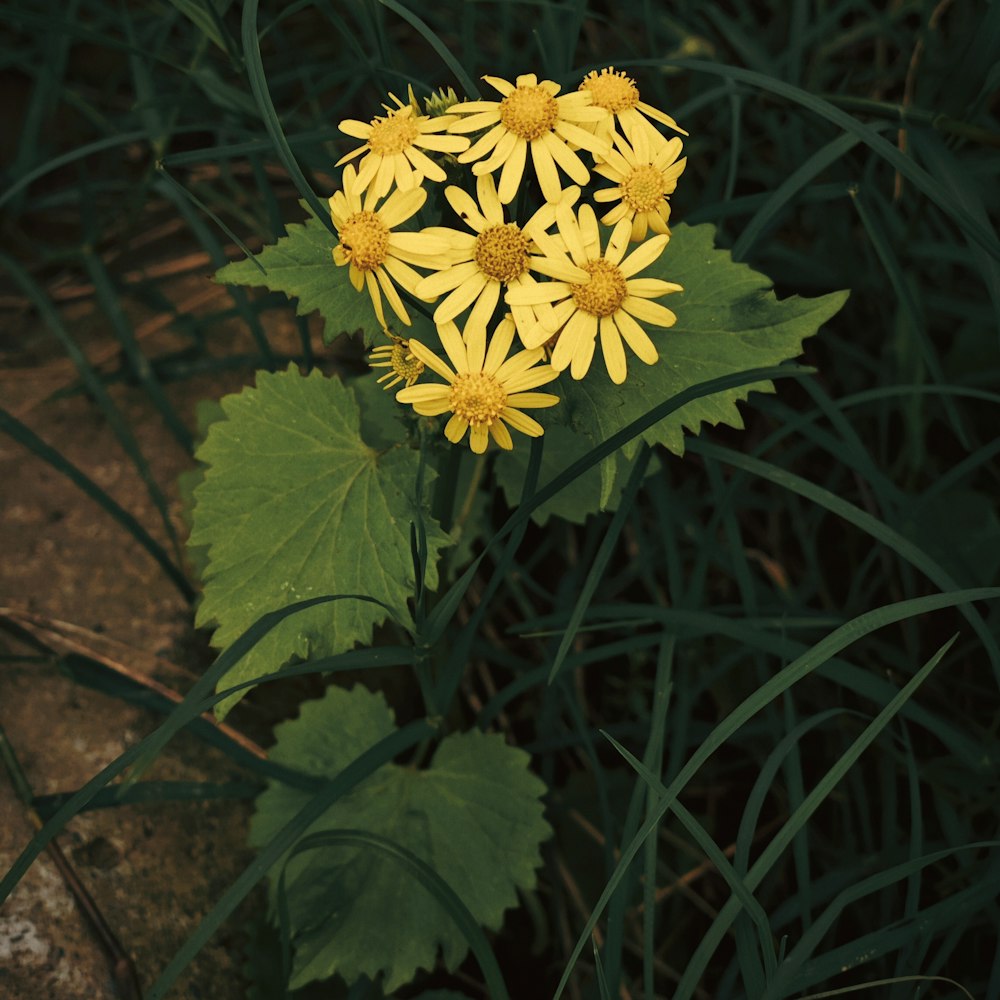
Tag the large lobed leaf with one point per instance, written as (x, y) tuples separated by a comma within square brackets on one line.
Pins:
[(473, 815), (301, 265), (728, 320), (295, 504)]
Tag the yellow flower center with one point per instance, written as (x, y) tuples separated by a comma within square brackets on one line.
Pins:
[(502, 252), (642, 190), (606, 290), (393, 134), (365, 239), (613, 91), (529, 112), (477, 397), (403, 364)]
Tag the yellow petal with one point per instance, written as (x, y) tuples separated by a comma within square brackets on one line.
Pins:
[(454, 346), (443, 143), (618, 243), (589, 229), (359, 130), (425, 393), (504, 87), (479, 318), (486, 190), (565, 157), (483, 144), (455, 429), (517, 364), (444, 281), (500, 434), (531, 379), (582, 138), (513, 170), (503, 337), (582, 359), (660, 116), (539, 291), (614, 353), (382, 183), (475, 122), (649, 312), (644, 255), (498, 157), (461, 298), (401, 205), (376, 297), (545, 171), (391, 294), (636, 338), (465, 208), (522, 422), (650, 288), (559, 268), (569, 230), (479, 438), (429, 358), (532, 400), (425, 165)]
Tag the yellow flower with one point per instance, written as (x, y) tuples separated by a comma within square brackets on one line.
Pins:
[(495, 253), (600, 295), (617, 94), (530, 115), (393, 144), (378, 255), (486, 391), (644, 175), (402, 365)]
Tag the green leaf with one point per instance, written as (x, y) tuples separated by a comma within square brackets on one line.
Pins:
[(473, 815), (301, 265), (597, 489), (728, 320), (296, 504)]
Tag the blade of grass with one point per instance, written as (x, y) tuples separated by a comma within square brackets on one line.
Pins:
[(903, 547), (258, 84), (443, 612), (842, 637), (601, 559), (920, 178), (443, 52), (823, 158), (712, 852), (653, 760), (769, 856), (194, 704), (96, 389), (908, 306), (885, 939), (153, 791), (27, 437), (109, 299)]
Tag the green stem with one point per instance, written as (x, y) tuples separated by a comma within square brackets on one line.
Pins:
[(914, 116), (470, 494), (444, 489)]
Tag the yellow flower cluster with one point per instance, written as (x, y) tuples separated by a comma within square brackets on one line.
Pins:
[(558, 283)]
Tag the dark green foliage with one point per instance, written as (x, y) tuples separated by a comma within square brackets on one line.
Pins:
[(732, 564)]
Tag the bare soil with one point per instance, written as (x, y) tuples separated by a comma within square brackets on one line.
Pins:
[(81, 583)]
